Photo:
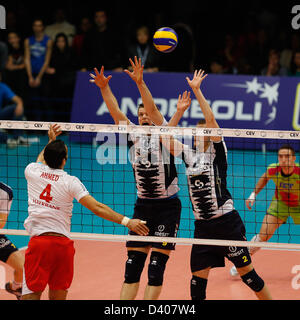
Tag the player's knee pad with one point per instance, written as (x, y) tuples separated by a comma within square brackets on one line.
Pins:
[(156, 268), (253, 281), (198, 288), (134, 266)]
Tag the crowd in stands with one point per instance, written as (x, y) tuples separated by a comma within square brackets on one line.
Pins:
[(39, 64)]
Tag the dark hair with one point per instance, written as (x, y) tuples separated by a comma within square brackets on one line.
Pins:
[(287, 147), (60, 35), (201, 121), (54, 154), (141, 105)]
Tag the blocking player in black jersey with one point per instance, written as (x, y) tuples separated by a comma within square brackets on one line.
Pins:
[(157, 201), (9, 253), (215, 215)]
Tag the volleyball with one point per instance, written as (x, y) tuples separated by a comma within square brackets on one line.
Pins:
[(165, 39)]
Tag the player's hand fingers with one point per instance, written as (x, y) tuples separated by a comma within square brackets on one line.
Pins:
[(131, 62), (97, 72)]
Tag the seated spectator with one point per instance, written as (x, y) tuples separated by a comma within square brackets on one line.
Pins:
[(145, 50), (61, 25), (100, 47), (274, 68), (11, 108), (85, 26), (295, 65), (3, 55), (217, 65), (286, 56), (14, 74)]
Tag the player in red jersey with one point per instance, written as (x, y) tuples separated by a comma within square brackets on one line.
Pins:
[(51, 190)]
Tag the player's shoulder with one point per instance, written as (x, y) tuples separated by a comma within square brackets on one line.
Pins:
[(273, 168), (33, 165)]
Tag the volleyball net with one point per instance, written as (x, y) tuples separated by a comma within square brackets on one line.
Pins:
[(99, 155)]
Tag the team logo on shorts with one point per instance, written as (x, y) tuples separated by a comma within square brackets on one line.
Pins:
[(160, 232)]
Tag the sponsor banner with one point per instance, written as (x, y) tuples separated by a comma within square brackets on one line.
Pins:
[(238, 101)]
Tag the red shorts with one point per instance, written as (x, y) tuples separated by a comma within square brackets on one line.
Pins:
[(49, 260)]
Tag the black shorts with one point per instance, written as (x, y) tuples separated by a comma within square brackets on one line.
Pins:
[(6, 248), (163, 218), (227, 227)]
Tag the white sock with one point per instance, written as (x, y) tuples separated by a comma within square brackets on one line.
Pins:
[(256, 238)]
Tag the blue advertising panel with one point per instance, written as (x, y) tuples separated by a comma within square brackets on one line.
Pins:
[(238, 101)]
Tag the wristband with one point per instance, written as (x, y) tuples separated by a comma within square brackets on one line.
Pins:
[(252, 196), (125, 221)]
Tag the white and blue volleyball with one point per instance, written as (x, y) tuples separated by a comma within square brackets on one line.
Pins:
[(165, 39)]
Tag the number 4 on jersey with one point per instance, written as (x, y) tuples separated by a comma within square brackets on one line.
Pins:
[(45, 195)]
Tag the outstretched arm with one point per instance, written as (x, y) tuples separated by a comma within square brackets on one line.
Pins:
[(174, 146), (137, 76), (261, 183), (205, 107), (111, 102), (105, 212), (53, 132)]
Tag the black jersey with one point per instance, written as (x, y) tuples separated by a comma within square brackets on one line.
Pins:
[(153, 166), (207, 174)]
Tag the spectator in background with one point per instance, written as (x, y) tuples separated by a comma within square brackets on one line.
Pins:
[(274, 68), (85, 26), (145, 50), (62, 75), (295, 65), (101, 46), (11, 108), (37, 53), (257, 54), (37, 56), (14, 74), (61, 25), (230, 53), (3, 55), (287, 54), (217, 65)]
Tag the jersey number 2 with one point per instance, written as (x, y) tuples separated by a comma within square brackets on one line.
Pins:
[(45, 195)]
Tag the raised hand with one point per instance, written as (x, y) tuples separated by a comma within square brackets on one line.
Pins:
[(184, 101), (137, 74), (99, 79), (53, 132), (199, 76)]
